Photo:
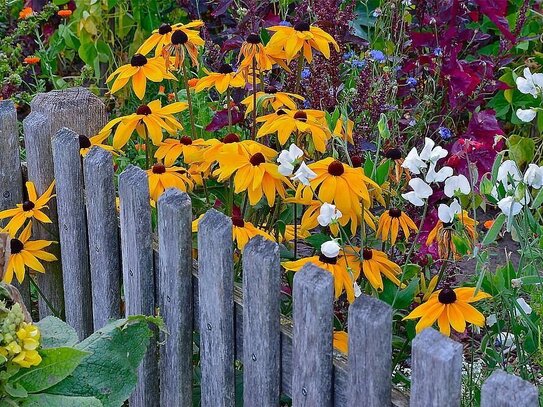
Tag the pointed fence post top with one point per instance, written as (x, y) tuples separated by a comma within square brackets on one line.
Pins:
[(66, 137), (98, 156), (175, 198), (133, 175), (371, 310), (502, 389), (260, 248)]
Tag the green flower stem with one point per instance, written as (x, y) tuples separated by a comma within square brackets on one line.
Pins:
[(189, 101), (49, 305), (253, 115)]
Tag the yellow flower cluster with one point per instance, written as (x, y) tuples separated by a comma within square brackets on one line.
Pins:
[(19, 340)]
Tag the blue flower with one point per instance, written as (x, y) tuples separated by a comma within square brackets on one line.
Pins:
[(438, 52), (306, 73), (411, 81), (358, 63), (377, 55), (445, 133), (307, 105), (285, 23), (348, 55)]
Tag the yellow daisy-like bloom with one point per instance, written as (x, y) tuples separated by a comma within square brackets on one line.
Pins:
[(443, 234), (449, 307), (139, 70), (390, 222), (162, 178), (86, 143), (344, 129), (271, 96), (345, 268), (341, 341), (26, 254), (285, 122), (288, 235), (171, 149), (252, 48), (31, 209), (29, 337), (149, 121), (163, 36), (375, 263), (426, 289), (252, 174), (182, 40), (242, 231), (302, 37), (222, 80)]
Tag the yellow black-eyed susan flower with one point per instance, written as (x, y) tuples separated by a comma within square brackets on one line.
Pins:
[(390, 223), (222, 80), (252, 48), (443, 234), (163, 36), (171, 149), (162, 178), (375, 263), (86, 143), (271, 96), (182, 40)]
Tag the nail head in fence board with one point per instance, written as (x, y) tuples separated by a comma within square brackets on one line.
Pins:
[(261, 318), (74, 247), (312, 338), (175, 297), (436, 370), (138, 278), (81, 111), (11, 179), (370, 350), (104, 250), (505, 390), (216, 292)]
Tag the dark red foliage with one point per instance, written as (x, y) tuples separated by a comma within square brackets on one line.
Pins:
[(220, 119)]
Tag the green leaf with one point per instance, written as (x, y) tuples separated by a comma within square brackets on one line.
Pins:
[(56, 364), (109, 372), (538, 200), (43, 399), (382, 125), (56, 333), (521, 149), (317, 240), (495, 229), (15, 390), (381, 174)]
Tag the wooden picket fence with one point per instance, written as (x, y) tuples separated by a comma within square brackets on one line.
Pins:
[(158, 275)]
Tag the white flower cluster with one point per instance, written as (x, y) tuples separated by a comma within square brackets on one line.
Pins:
[(530, 84), (425, 164), (288, 159)]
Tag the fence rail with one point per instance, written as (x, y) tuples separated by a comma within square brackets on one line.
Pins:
[(235, 321)]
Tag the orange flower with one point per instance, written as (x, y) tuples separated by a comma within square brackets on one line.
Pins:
[(31, 60), (193, 82), (64, 13), (25, 13), (488, 224)]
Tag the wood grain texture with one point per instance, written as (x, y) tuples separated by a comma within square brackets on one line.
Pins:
[(81, 111), (312, 349), (11, 179), (370, 350), (138, 278), (506, 390), (261, 317), (436, 370), (175, 297), (216, 292), (74, 245), (104, 246)]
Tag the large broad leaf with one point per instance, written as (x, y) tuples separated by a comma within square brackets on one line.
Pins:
[(56, 333), (521, 149), (42, 400), (56, 364), (109, 372)]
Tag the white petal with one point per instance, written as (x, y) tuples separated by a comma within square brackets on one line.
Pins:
[(413, 198), (295, 151), (440, 176), (534, 176), (427, 149), (437, 153), (526, 115), (413, 162), (330, 248), (524, 305), (285, 169), (421, 188), (457, 183), (508, 169), (509, 206), (491, 320)]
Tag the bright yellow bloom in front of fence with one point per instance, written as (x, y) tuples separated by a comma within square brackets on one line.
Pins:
[(171, 149), (375, 263), (271, 96), (30, 209), (450, 308), (301, 38), (162, 178), (163, 36), (390, 222), (139, 70), (222, 80), (183, 39), (86, 143), (25, 253)]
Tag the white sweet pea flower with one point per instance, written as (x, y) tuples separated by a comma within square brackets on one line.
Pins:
[(508, 170), (530, 84), (524, 306), (432, 153), (287, 158), (509, 206), (413, 162), (446, 213), (491, 320), (357, 290), (526, 115), (421, 191), (328, 214), (533, 176), (330, 249), (303, 174), (457, 183), (439, 176)]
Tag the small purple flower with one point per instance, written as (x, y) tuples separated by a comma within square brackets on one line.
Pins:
[(348, 55), (445, 133), (358, 63), (438, 52), (412, 122), (377, 55), (411, 82), (285, 23), (306, 73)]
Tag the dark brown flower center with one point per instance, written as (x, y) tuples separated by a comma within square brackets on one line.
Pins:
[(28, 205), (257, 159), (393, 154), (280, 112), (329, 260), (16, 246), (164, 29), (446, 296), (226, 68), (231, 138), (367, 254), (336, 168), (395, 212), (270, 89), (303, 26), (238, 221), (159, 169), (144, 110), (138, 60), (185, 140), (301, 116), (84, 142), (357, 161), (253, 39), (179, 38)]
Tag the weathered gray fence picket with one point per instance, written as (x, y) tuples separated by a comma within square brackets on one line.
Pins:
[(235, 322)]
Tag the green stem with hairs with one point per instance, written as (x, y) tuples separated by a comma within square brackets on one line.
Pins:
[(42, 295), (189, 102), (253, 115)]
